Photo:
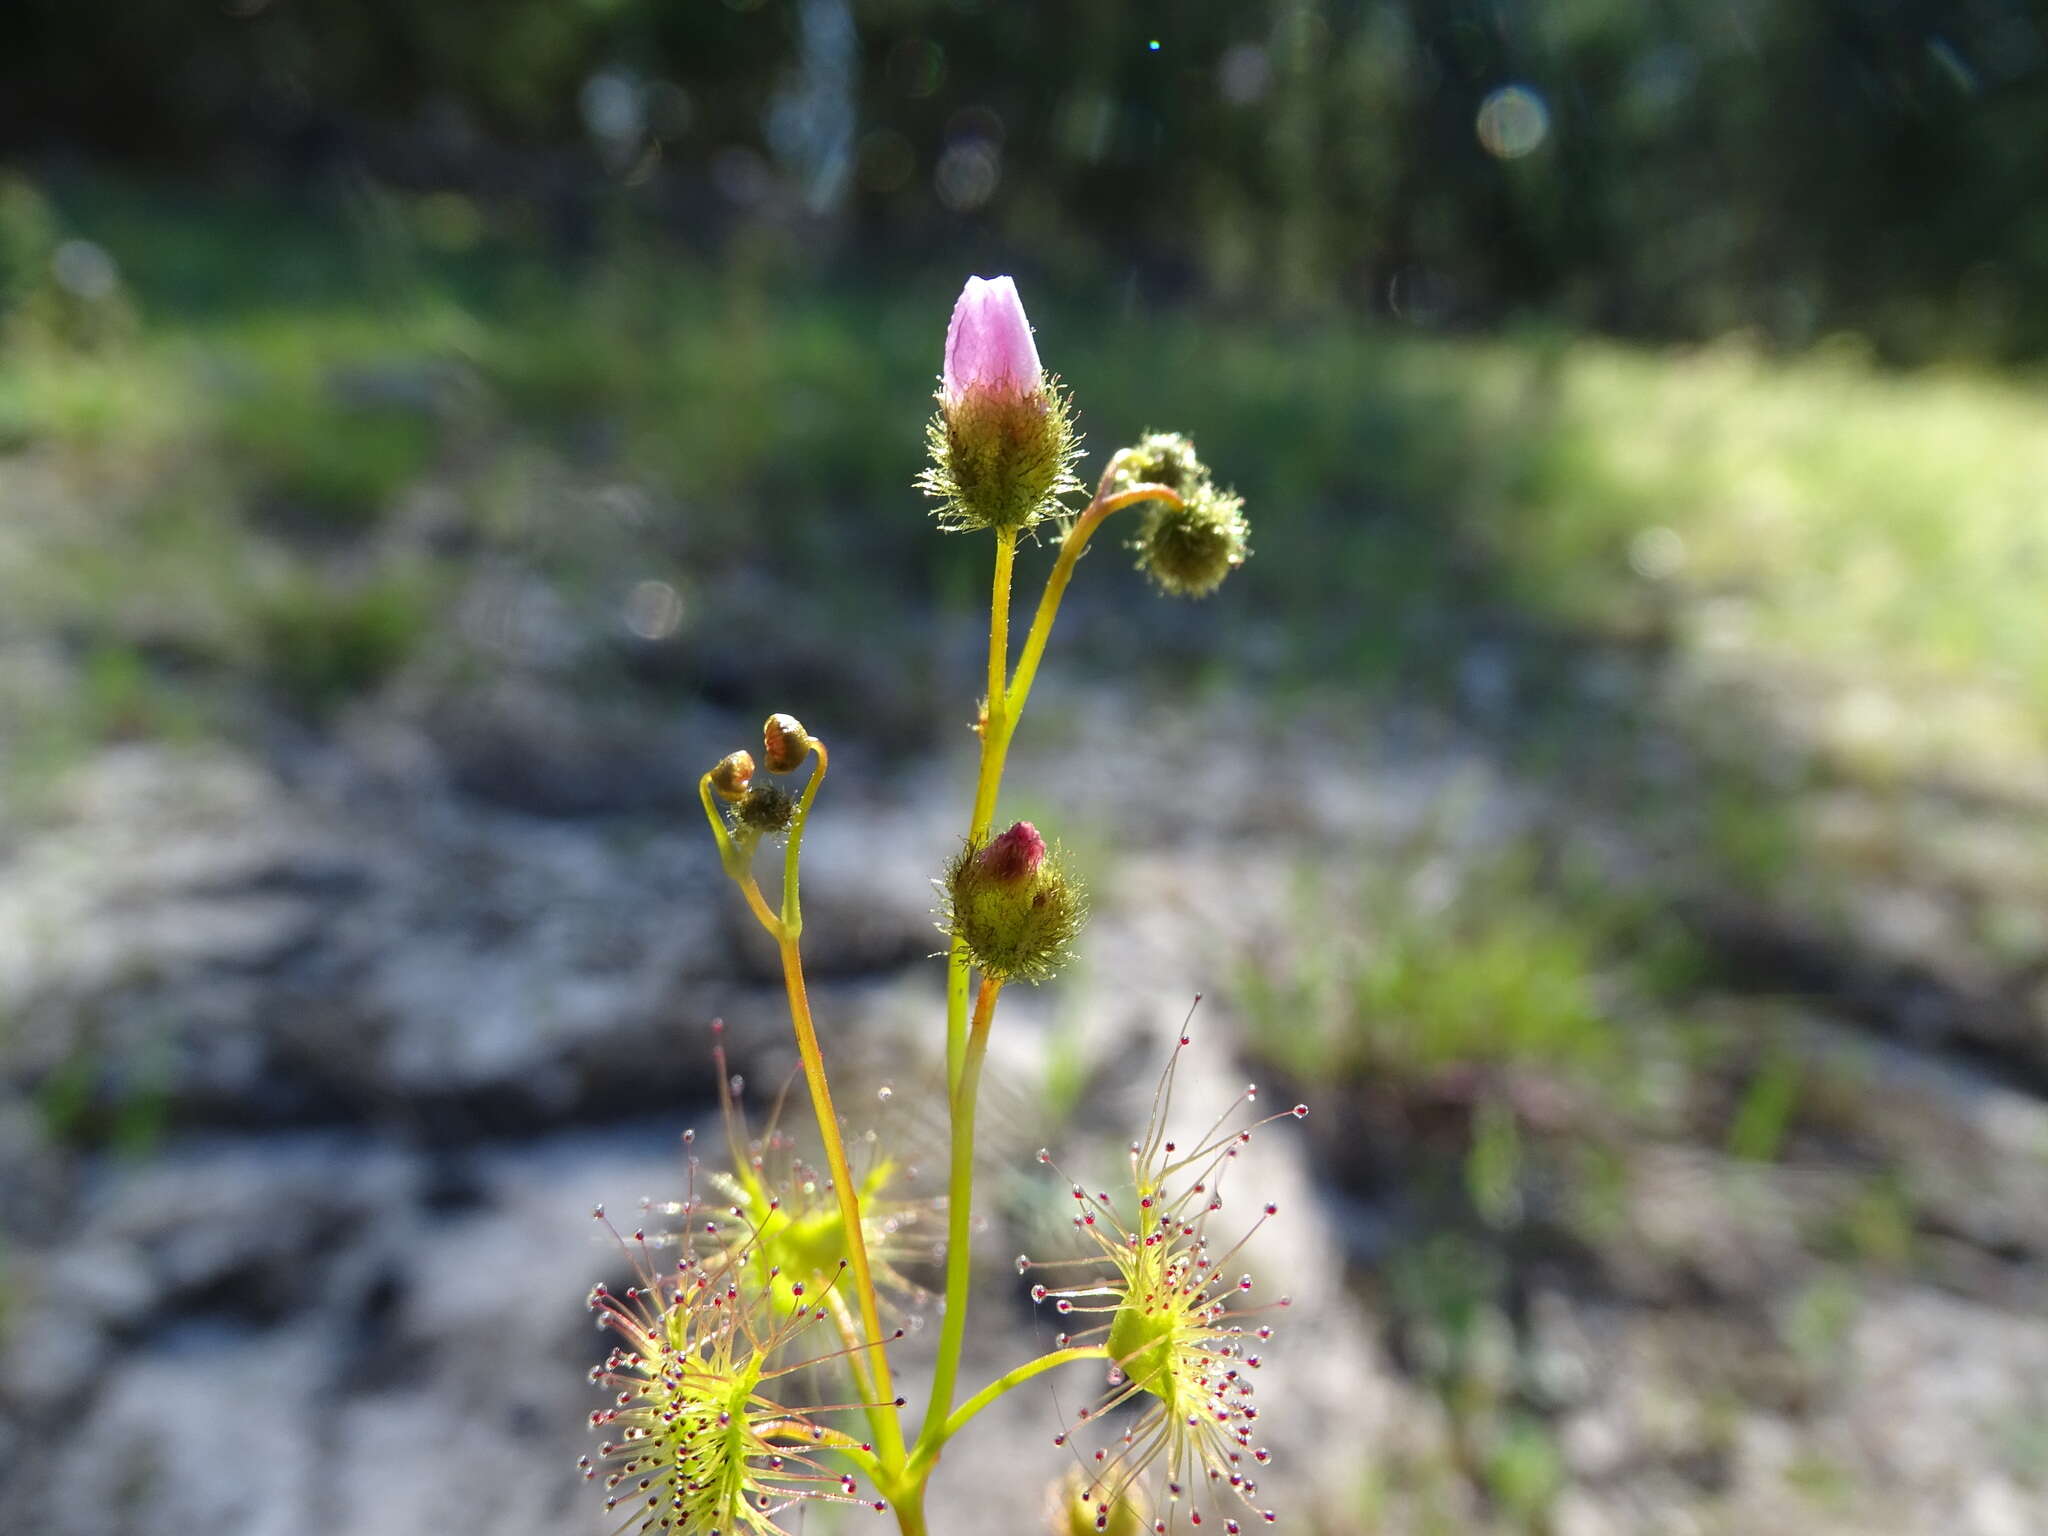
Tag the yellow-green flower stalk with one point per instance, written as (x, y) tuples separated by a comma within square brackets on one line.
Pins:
[(708, 1445), (781, 1218)]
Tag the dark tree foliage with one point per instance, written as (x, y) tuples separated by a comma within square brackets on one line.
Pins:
[(1790, 165)]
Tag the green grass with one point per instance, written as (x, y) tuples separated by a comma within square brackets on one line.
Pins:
[(1495, 965), (1857, 554)]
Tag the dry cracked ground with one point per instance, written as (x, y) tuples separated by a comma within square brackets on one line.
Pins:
[(317, 1052)]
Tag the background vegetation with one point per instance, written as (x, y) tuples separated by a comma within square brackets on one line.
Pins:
[(1639, 697)]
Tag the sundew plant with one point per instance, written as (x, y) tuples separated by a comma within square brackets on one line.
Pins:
[(781, 1277)]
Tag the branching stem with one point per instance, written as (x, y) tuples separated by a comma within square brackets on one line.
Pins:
[(959, 1223)]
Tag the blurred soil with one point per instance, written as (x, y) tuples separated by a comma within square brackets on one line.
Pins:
[(319, 1057)]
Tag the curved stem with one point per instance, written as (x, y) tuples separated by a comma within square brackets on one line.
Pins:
[(758, 904), (1076, 541), (729, 854), (792, 911), (959, 1217), (888, 1430), (1016, 1378), (736, 863)]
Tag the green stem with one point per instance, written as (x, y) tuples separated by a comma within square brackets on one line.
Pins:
[(792, 912), (967, 1044), (882, 1415), (736, 862), (959, 1218), (999, 620), (988, 780), (729, 855), (1076, 541), (908, 1507), (1016, 1378), (957, 982)]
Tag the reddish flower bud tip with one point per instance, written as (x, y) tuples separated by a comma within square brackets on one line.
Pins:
[(732, 774), (988, 342), (784, 743), (1012, 905), (1014, 855)]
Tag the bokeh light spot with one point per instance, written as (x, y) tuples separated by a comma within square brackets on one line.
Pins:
[(1245, 74), (84, 270), (1657, 554), (614, 107), (1513, 122), (654, 610), (967, 174)]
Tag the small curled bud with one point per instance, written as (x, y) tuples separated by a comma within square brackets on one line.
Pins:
[(1187, 550), (1161, 458), (1012, 905), (784, 743), (732, 774), (765, 810)]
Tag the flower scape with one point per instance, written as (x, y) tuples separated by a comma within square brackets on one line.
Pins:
[(751, 1372)]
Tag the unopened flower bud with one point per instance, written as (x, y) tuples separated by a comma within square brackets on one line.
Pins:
[(1012, 905), (1002, 444), (784, 743), (1013, 855), (1162, 458), (1187, 550), (732, 774), (765, 810)]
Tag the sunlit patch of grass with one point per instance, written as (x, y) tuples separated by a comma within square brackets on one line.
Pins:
[(136, 401), (1440, 969), (1875, 539)]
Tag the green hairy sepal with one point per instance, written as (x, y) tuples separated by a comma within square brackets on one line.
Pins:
[(1002, 461)]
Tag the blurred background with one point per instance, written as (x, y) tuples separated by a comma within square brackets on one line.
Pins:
[(1616, 792)]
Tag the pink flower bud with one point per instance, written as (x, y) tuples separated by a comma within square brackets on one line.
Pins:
[(1013, 855), (1003, 442), (988, 344), (1012, 906)]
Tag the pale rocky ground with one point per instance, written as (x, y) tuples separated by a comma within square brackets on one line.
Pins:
[(405, 1035)]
